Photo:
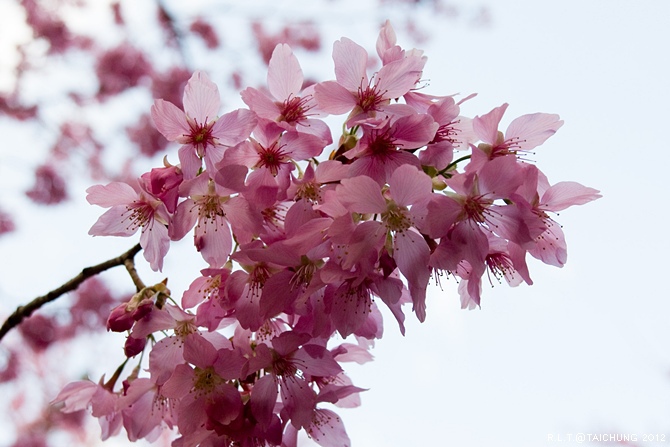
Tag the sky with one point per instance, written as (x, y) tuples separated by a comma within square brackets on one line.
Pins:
[(582, 351)]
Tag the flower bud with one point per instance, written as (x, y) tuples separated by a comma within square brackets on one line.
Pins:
[(120, 319), (134, 346)]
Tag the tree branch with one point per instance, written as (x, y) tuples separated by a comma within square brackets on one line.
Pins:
[(23, 312), (130, 267)]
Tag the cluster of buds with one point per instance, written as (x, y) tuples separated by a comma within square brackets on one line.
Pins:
[(302, 242)]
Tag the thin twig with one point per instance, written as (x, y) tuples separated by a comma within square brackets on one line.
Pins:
[(130, 267), (23, 312)]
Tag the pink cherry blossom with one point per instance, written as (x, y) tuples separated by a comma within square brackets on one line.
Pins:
[(163, 183), (290, 353), (383, 149), (132, 207), (522, 135), (145, 410), (245, 289), (550, 246), (206, 396), (207, 205), (202, 134), (315, 181), (410, 251), (361, 96), (272, 150), (454, 133), (102, 402), (287, 104)]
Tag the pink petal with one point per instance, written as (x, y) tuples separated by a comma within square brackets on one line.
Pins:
[(180, 383), (247, 309), (333, 98), (412, 254), (348, 352), (414, 131), (169, 120), (113, 222), (350, 64), (361, 195), (500, 177), (261, 103), (76, 395), (486, 126), (157, 320), (230, 364), (364, 242), (376, 167), (386, 39), (302, 146), (439, 215), (141, 419), (288, 342), (533, 130), (317, 128), (164, 357), (243, 221), (316, 360), (263, 398), (201, 98), (328, 430), (234, 127), (550, 247), (225, 405), (190, 162), (115, 193), (437, 155), (565, 194), (398, 77), (155, 242), (518, 257), (198, 351), (277, 295), (299, 400), (183, 220), (284, 73), (213, 240), (409, 185), (231, 177), (444, 111)]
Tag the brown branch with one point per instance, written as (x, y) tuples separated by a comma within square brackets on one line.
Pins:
[(130, 267), (23, 312)]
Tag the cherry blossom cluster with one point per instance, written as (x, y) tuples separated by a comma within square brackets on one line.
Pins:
[(304, 242)]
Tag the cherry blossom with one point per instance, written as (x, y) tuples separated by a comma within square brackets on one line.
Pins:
[(198, 128), (362, 96), (287, 104), (132, 207)]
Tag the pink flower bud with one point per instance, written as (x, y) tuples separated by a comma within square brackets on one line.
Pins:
[(120, 319), (143, 308), (164, 184), (134, 346)]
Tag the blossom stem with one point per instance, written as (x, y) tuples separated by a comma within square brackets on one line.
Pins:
[(453, 164), (23, 312)]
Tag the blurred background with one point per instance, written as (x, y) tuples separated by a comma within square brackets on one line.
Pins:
[(583, 350)]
